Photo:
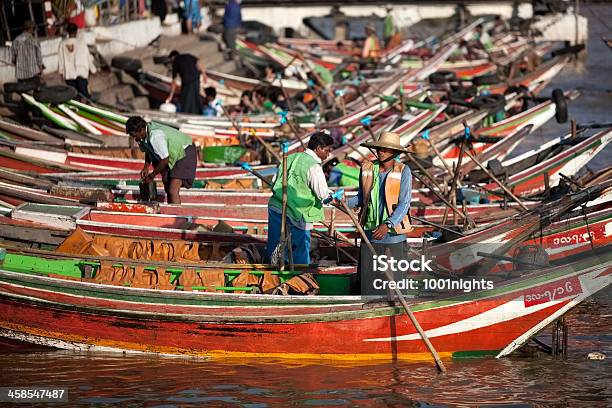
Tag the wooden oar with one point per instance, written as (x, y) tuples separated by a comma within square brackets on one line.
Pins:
[(425, 136), (457, 172), (279, 251), (247, 167), (253, 133), (398, 294)]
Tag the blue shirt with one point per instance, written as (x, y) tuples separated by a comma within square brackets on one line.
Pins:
[(232, 17), (403, 206)]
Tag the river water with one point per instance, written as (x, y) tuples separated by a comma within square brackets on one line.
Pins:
[(521, 381), (104, 380)]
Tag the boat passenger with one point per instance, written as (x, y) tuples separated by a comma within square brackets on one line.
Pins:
[(26, 55), (246, 104), (192, 73), (212, 105), (232, 24), (306, 189), (171, 152), (371, 46), (270, 75), (390, 30), (385, 190)]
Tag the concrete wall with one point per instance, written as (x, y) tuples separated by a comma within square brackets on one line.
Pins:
[(564, 27), (405, 15)]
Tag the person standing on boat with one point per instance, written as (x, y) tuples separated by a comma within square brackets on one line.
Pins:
[(389, 30), (75, 62), (171, 152), (371, 47), (192, 73), (26, 55), (232, 23), (385, 191), (306, 189)]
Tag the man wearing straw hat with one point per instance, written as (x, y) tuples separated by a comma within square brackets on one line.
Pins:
[(385, 190), (371, 47)]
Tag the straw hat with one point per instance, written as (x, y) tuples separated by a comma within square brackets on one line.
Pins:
[(388, 140), (370, 26)]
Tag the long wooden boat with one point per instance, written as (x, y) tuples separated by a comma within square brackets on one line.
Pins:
[(536, 117), (481, 212), (536, 80), (43, 303), (532, 180)]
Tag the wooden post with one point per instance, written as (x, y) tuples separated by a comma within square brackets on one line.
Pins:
[(5, 24), (425, 172), (32, 18), (440, 196)]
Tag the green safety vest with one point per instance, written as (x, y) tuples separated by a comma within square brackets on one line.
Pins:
[(176, 143), (302, 203), (350, 175), (389, 29)]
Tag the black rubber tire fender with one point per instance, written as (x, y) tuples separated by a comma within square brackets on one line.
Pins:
[(127, 64), (487, 79), (161, 59), (20, 87), (55, 94), (463, 92), (572, 49), (558, 98), (442, 77), (523, 91), (493, 102)]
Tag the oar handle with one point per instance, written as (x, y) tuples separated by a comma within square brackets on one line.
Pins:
[(247, 167), (334, 196)]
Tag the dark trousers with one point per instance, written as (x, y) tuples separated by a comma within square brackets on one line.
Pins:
[(81, 85), (229, 37), (191, 101), (366, 272)]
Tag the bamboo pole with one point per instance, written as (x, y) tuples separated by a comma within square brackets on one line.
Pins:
[(396, 291)]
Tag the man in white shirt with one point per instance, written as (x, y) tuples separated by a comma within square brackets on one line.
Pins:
[(306, 189), (74, 61)]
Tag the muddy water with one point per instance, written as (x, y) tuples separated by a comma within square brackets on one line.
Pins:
[(530, 381)]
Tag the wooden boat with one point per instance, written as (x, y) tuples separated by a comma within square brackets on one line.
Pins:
[(536, 80), (66, 308), (536, 117), (246, 84), (259, 212), (532, 180), (464, 255)]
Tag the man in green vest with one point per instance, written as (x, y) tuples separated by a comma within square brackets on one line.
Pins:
[(306, 189), (389, 29), (385, 190), (171, 152)]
